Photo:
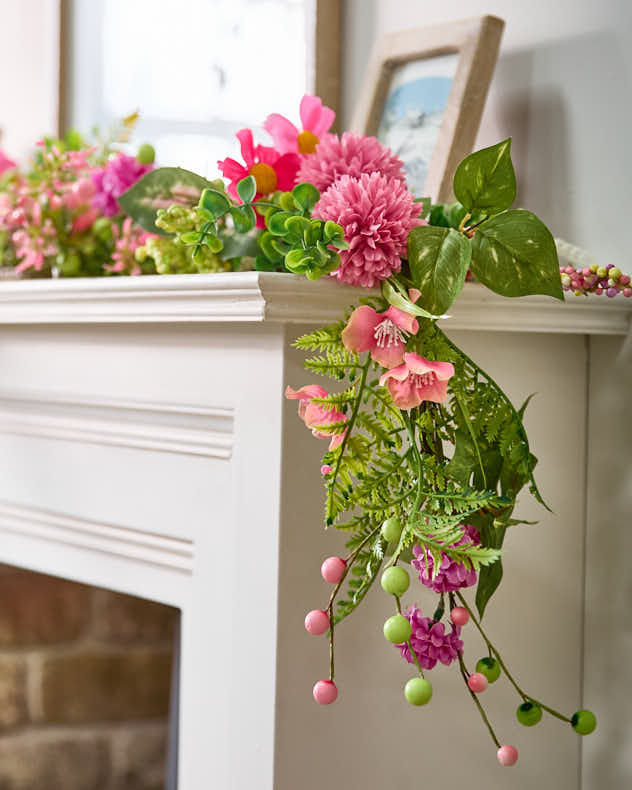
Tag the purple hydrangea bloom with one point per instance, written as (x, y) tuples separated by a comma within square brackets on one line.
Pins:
[(119, 174), (451, 575), (430, 641)]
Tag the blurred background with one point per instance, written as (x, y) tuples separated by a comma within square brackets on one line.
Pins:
[(84, 673)]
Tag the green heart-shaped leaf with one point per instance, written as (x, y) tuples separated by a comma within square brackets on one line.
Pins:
[(216, 203), (306, 196), (439, 259), (514, 254), (159, 189), (485, 181)]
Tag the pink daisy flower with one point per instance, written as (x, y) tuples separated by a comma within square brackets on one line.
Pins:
[(351, 155), (270, 169), (377, 213), (316, 120)]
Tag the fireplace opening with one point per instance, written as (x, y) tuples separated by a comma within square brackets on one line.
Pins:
[(86, 687)]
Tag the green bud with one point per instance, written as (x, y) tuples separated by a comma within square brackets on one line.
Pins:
[(146, 154)]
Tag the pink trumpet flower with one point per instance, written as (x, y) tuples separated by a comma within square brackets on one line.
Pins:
[(317, 416), (383, 334), (417, 380)]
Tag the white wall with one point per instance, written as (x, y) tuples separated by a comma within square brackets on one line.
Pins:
[(29, 73), (562, 90)]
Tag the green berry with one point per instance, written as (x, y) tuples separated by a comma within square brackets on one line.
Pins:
[(489, 667), (584, 722), (392, 529), (395, 581), (529, 714), (614, 273), (397, 629), (602, 272), (418, 691), (146, 154)]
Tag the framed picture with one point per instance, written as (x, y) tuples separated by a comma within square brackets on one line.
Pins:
[(424, 96), (219, 75)]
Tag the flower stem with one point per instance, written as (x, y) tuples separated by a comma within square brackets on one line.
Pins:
[(410, 641), (526, 697), (411, 433), (465, 675)]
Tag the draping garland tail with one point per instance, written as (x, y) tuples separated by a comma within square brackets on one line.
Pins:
[(426, 454)]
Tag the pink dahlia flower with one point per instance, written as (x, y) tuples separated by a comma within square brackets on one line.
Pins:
[(270, 169), (5, 162), (451, 575), (377, 213), (119, 174), (316, 120), (350, 155), (430, 641), (383, 334), (417, 380), (317, 416)]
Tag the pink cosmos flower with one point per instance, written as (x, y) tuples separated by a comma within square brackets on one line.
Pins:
[(317, 416), (377, 213), (451, 575), (316, 120), (119, 174), (5, 162), (383, 334), (351, 155), (271, 170), (430, 641), (417, 380)]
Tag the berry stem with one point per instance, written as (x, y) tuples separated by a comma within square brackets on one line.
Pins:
[(330, 606), (510, 678), (465, 676)]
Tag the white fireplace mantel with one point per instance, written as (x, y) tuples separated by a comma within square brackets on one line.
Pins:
[(145, 446)]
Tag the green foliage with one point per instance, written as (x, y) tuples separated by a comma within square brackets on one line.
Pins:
[(439, 259), (394, 293), (514, 255), (485, 181), (159, 188)]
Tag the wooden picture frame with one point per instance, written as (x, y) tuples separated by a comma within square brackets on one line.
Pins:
[(469, 48)]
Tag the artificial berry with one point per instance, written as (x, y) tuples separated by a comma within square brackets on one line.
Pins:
[(392, 529), (325, 692), (418, 691), (459, 615), (584, 722), (146, 154), (507, 755), (529, 714), (489, 667), (317, 622), (477, 682), (332, 569), (397, 629), (395, 581)]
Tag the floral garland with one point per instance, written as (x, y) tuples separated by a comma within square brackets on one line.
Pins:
[(426, 455)]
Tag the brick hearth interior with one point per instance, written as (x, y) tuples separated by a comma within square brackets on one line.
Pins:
[(84, 686)]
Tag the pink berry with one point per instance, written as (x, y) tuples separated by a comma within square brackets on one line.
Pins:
[(477, 682), (325, 469), (332, 569), (325, 692), (624, 279), (627, 292), (317, 622), (459, 615), (507, 755)]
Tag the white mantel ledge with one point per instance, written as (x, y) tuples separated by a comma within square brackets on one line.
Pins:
[(282, 298)]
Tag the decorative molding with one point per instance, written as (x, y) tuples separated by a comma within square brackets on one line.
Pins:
[(171, 428), (280, 298), (31, 522)]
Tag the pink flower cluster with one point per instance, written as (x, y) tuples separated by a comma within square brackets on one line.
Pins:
[(127, 240), (48, 213), (362, 186), (430, 641), (451, 575)]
